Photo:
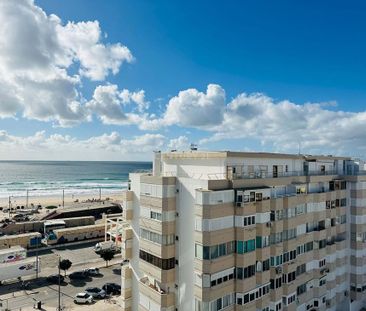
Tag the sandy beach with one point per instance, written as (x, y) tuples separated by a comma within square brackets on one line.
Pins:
[(57, 200)]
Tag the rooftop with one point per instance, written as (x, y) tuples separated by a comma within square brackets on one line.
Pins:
[(193, 154)]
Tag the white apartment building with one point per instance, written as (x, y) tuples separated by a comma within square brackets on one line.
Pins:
[(213, 231)]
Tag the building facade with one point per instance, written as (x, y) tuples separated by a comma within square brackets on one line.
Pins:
[(213, 231)]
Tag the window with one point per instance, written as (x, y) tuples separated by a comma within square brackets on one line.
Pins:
[(155, 215), (165, 264), (322, 263), (276, 283), (215, 251), (301, 269), (322, 243), (265, 265), (301, 289), (222, 302), (322, 281), (249, 221), (157, 238), (262, 241), (291, 276), (245, 273), (243, 247)]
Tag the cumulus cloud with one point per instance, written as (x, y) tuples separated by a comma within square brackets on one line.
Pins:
[(192, 108), (109, 104), (110, 146), (179, 143), (283, 125), (37, 55), (82, 42)]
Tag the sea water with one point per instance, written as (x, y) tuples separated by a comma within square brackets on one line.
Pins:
[(50, 178)]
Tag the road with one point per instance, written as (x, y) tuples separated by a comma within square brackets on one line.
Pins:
[(80, 253), (81, 256), (40, 290)]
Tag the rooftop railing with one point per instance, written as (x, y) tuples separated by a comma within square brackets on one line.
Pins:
[(265, 174)]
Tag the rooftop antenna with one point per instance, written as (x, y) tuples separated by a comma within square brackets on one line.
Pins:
[(194, 147)]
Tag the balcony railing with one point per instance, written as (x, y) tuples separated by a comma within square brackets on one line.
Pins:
[(265, 174)]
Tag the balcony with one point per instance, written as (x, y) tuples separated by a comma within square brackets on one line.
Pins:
[(233, 174), (158, 295)]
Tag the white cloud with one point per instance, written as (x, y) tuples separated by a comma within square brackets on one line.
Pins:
[(110, 146), (37, 54), (179, 143), (283, 125), (82, 42), (109, 104), (192, 108)]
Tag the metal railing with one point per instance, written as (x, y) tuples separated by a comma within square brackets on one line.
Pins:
[(266, 174)]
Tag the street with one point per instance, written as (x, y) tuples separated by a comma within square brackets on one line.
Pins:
[(80, 253), (14, 298), (82, 256)]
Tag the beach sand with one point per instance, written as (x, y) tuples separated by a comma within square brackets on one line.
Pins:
[(57, 200)]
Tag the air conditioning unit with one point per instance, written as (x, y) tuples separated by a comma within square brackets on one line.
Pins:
[(278, 270)]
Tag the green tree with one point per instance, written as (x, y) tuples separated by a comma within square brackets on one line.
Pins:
[(65, 265), (107, 256)]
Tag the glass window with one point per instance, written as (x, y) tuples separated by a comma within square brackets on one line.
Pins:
[(240, 247)]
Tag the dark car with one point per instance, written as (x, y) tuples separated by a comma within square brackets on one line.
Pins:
[(112, 288), (78, 275), (54, 278)]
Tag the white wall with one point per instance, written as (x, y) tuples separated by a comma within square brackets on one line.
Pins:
[(211, 168), (185, 246), (135, 224)]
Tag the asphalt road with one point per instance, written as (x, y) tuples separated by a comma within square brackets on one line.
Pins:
[(81, 253), (40, 290)]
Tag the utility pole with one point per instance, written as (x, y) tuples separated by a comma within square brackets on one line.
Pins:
[(9, 206), (59, 284), (37, 259), (63, 197), (26, 204)]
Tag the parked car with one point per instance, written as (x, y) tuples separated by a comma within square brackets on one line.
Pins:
[(112, 288), (84, 298), (78, 275), (106, 246), (96, 292), (92, 271), (54, 278), (20, 217)]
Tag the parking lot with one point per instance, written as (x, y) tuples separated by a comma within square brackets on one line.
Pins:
[(13, 297)]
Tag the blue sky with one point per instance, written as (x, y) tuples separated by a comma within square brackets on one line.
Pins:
[(301, 64)]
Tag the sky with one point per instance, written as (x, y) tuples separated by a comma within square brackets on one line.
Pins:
[(116, 80)]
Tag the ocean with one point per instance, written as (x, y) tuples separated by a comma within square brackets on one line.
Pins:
[(50, 178)]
